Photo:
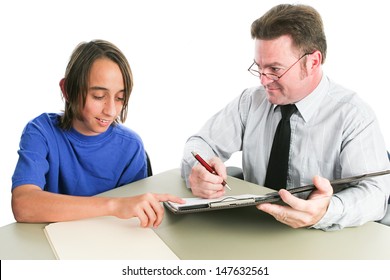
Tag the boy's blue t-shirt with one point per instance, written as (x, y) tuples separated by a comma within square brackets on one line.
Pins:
[(68, 162)]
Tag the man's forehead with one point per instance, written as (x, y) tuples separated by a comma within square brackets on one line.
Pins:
[(274, 52)]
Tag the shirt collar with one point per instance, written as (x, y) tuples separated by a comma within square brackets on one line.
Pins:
[(311, 103)]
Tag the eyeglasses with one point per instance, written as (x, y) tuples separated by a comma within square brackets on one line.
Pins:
[(271, 76)]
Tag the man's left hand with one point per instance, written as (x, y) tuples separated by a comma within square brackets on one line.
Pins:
[(300, 212)]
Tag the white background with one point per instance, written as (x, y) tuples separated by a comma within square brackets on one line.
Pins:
[(189, 58)]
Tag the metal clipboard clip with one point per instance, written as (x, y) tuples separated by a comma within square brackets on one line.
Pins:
[(231, 201)]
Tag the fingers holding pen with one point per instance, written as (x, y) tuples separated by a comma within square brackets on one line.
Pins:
[(207, 179), (219, 167), (205, 184)]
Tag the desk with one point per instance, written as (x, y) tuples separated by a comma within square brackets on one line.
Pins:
[(241, 233)]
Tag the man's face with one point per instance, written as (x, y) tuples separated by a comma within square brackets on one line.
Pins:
[(276, 57)]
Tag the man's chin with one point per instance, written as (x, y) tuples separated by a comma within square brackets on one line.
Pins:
[(274, 99)]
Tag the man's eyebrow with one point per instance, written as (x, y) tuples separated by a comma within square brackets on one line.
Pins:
[(268, 65)]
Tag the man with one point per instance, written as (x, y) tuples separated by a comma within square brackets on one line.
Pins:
[(331, 132)]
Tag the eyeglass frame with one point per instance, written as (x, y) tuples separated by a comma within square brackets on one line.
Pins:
[(271, 76)]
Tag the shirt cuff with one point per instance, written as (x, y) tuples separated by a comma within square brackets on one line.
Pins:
[(332, 215)]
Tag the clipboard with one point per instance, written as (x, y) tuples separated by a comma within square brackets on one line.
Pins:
[(197, 204)]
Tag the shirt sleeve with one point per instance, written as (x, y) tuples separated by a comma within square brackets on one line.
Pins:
[(363, 152), (32, 165), (221, 136)]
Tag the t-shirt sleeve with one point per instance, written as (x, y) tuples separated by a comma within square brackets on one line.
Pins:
[(32, 164)]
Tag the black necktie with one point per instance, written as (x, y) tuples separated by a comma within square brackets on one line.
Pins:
[(276, 177)]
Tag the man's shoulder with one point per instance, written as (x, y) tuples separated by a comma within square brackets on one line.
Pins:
[(253, 97), (349, 100), (257, 93)]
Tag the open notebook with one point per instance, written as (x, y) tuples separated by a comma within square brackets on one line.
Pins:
[(199, 204), (106, 238)]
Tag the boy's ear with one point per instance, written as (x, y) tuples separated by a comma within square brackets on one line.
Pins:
[(62, 86)]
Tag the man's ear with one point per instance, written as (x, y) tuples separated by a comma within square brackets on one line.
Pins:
[(316, 60), (62, 86)]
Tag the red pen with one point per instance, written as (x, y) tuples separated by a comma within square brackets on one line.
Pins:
[(208, 167)]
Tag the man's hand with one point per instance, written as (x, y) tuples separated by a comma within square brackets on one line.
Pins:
[(205, 184), (301, 212)]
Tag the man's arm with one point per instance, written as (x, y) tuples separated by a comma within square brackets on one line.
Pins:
[(220, 137)]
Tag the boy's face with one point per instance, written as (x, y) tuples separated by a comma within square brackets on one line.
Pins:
[(104, 100)]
